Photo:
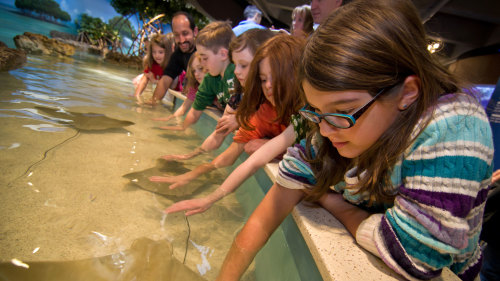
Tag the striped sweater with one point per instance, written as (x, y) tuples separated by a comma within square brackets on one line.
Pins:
[(441, 182)]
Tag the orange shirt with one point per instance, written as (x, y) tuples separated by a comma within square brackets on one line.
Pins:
[(264, 123)]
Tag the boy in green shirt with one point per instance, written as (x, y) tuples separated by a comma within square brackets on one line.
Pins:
[(212, 45)]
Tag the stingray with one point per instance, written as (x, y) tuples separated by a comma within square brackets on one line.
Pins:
[(146, 260), (84, 121), (163, 167)]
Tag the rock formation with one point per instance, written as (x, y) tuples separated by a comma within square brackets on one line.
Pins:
[(42, 45), (11, 58), (123, 60)]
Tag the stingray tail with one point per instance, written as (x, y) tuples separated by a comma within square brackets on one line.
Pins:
[(32, 166)]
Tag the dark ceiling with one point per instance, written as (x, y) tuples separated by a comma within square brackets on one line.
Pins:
[(463, 25)]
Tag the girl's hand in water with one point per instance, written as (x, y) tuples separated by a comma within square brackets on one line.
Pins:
[(177, 181), (172, 128), (187, 156), (178, 156), (191, 207), (163, 118)]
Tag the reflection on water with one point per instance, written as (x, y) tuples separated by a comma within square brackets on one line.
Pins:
[(64, 197)]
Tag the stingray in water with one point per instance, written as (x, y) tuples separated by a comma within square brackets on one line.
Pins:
[(84, 121), (146, 260), (141, 179)]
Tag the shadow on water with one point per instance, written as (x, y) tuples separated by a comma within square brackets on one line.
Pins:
[(146, 260)]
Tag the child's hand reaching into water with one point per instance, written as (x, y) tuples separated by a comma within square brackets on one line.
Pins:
[(187, 156), (191, 207), (177, 181), (164, 118), (173, 128)]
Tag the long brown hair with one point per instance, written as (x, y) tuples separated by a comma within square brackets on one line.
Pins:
[(284, 53), (370, 45), (163, 41)]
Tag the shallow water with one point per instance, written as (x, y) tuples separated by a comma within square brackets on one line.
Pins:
[(64, 196)]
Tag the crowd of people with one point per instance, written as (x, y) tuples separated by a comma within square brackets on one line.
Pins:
[(367, 123)]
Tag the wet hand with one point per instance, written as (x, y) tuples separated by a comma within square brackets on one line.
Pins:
[(177, 181), (163, 118), (227, 124), (176, 157), (172, 128), (191, 207)]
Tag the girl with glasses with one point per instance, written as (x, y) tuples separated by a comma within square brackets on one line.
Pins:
[(398, 154)]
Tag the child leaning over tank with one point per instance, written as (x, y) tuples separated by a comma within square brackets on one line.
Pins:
[(194, 77), (159, 50)]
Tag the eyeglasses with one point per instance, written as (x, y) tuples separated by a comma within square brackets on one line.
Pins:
[(339, 120)]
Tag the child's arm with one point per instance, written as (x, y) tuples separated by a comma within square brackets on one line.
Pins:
[(143, 82), (273, 209), (179, 112), (191, 118), (226, 158), (265, 154), (211, 142), (161, 88)]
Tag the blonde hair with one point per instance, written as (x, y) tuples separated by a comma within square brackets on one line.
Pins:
[(191, 81), (215, 35), (163, 41)]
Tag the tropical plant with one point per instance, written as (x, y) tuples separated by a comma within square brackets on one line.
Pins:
[(96, 32)]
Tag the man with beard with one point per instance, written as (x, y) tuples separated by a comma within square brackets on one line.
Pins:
[(185, 31)]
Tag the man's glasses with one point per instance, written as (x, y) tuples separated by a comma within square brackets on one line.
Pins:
[(339, 120)]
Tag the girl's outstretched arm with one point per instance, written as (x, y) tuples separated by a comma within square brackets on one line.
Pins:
[(212, 142), (273, 209), (143, 82), (191, 118), (348, 214), (264, 155), (161, 89), (226, 158)]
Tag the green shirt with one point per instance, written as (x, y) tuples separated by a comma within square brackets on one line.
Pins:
[(213, 87)]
